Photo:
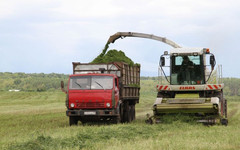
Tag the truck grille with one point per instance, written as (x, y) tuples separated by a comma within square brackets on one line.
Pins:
[(90, 105)]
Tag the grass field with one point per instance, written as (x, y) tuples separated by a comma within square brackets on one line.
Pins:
[(37, 120)]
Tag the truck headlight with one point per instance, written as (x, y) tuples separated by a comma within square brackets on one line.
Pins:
[(108, 104), (72, 105)]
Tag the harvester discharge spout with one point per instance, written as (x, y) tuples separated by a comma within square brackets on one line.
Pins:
[(118, 35)]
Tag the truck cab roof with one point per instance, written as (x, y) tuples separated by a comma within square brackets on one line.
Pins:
[(93, 74)]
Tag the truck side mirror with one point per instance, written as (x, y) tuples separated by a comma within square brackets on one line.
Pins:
[(162, 60), (62, 87), (212, 61)]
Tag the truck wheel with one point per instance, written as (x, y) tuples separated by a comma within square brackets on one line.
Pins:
[(116, 120), (73, 120), (126, 114), (130, 113), (133, 112), (121, 113)]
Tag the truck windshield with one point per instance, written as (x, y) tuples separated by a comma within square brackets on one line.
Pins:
[(187, 70), (91, 82)]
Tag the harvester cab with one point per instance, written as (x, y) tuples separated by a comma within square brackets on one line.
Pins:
[(190, 86), (188, 66)]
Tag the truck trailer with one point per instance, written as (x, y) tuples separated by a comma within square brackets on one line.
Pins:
[(102, 92)]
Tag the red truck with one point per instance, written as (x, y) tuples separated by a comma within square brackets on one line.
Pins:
[(102, 92)]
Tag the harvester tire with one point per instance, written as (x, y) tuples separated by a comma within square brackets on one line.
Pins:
[(149, 121), (224, 121), (225, 108), (73, 120), (219, 95)]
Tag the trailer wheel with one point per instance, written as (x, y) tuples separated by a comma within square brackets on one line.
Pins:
[(73, 120), (133, 112), (121, 112), (127, 113)]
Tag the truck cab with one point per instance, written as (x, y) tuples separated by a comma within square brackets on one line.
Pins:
[(91, 95), (93, 91)]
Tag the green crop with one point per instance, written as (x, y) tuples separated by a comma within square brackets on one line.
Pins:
[(113, 56)]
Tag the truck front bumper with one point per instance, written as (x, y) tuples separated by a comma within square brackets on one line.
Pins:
[(91, 112)]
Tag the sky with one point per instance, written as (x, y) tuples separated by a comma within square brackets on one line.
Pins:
[(46, 36)]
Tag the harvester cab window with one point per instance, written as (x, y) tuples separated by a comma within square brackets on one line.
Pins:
[(187, 70)]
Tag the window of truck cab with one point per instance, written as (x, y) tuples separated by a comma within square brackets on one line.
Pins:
[(91, 82)]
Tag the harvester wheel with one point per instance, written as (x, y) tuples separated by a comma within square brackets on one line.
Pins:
[(73, 120), (219, 95), (224, 121), (225, 108), (149, 121)]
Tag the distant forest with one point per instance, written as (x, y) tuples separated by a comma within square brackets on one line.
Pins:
[(31, 82), (51, 82)]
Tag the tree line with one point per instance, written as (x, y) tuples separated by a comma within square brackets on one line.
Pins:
[(31, 82), (50, 82)]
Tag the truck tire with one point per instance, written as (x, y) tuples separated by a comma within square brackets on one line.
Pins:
[(121, 112), (134, 112), (73, 120), (129, 113), (116, 120), (126, 112), (131, 110)]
